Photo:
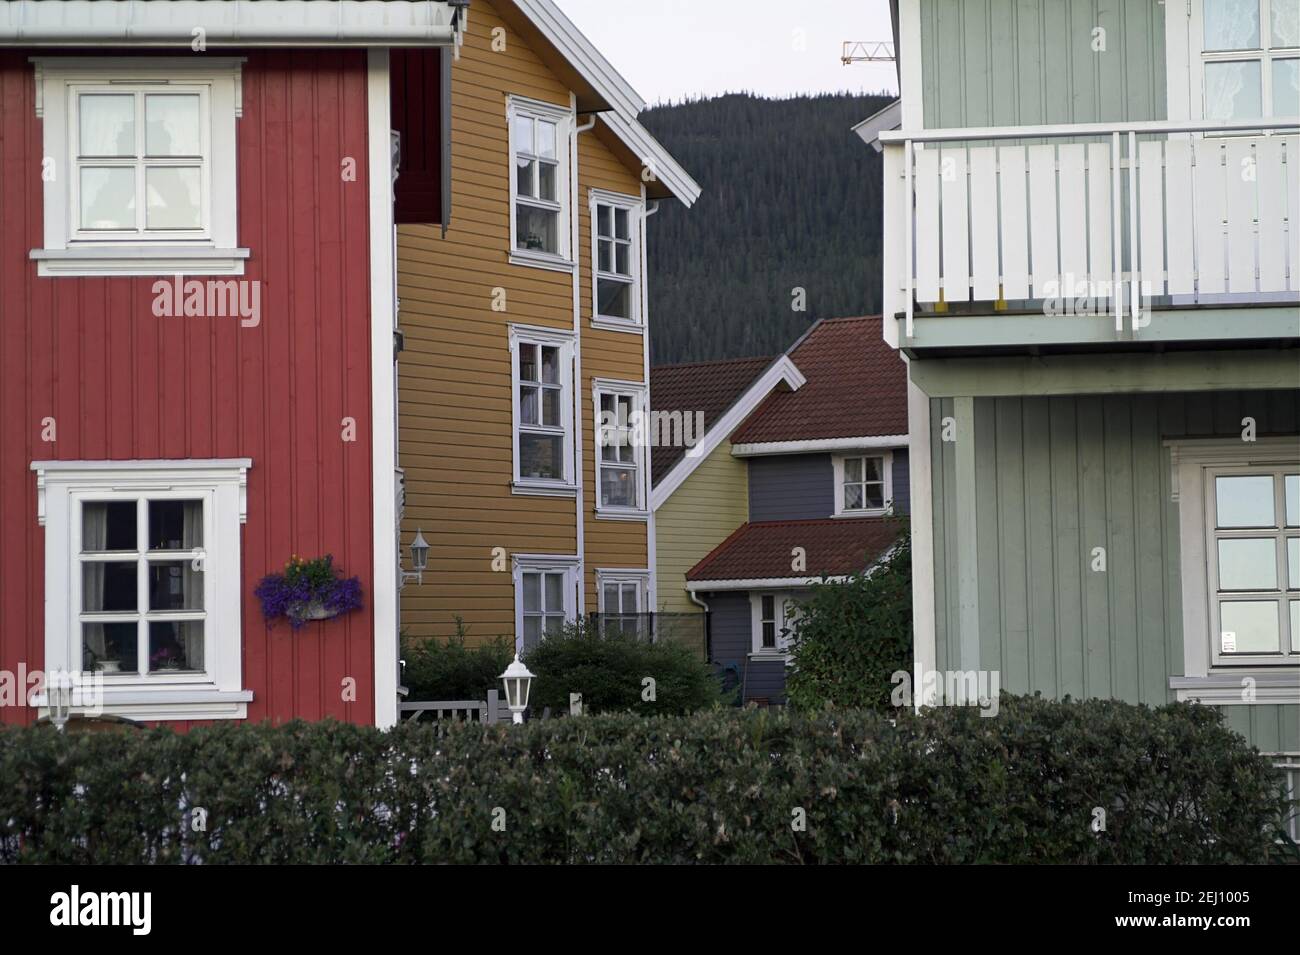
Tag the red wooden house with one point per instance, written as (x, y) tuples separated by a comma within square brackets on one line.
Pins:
[(197, 348)]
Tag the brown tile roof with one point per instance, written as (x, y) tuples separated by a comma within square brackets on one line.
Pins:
[(762, 550), (857, 385), (708, 386)]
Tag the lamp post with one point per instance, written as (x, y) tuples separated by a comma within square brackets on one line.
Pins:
[(518, 682), (419, 559), (58, 693)]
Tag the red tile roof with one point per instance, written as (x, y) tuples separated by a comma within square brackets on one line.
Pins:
[(708, 386), (857, 386), (834, 547)]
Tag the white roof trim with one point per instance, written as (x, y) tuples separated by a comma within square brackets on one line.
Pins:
[(781, 370), (754, 449), (891, 117), (760, 583), (655, 158), (70, 23), (628, 104)]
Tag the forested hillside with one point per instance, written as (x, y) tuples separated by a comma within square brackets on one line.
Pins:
[(791, 200)]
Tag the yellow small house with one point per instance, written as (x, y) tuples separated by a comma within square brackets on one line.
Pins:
[(523, 316)]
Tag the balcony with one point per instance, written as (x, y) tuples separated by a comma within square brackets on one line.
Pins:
[(1152, 231)]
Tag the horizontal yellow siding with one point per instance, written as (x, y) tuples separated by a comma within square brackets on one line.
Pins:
[(700, 515), (455, 429)]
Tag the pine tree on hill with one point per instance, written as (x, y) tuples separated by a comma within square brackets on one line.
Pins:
[(791, 201)]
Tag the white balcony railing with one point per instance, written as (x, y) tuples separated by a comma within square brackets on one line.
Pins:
[(1117, 212)]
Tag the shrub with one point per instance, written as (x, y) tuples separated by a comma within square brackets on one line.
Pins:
[(718, 786), (439, 669), (853, 636), (609, 670)]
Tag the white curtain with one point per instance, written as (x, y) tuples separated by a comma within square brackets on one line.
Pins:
[(94, 537)]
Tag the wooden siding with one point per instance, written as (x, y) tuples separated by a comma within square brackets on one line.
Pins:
[(455, 441), (791, 487), (1054, 478), (699, 516), (123, 384), (1023, 62), (731, 623)]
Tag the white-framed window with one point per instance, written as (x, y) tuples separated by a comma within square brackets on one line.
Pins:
[(542, 392), (774, 614), (1245, 58), (139, 166), (539, 183), (620, 448), (143, 582), (616, 260), (545, 596), (864, 484), (624, 596), (1239, 530), (1252, 526)]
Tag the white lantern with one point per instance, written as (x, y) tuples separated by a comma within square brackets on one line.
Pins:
[(58, 693), (518, 682), (419, 552)]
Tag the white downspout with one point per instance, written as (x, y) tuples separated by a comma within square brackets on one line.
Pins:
[(574, 246)]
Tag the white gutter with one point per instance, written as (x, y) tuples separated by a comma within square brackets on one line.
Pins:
[(580, 528), (812, 445), (182, 23), (759, 583)]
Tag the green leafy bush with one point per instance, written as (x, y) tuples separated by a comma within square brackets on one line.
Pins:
[(853, 636), (609, 671), (437, 669), (722, 785)]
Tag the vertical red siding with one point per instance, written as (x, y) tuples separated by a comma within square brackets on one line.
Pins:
[(124, 384)]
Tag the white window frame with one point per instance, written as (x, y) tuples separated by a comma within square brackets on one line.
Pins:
[(634, 207), (216, 693), (1207, 675), (211, 250), (638, 435), (1185, 78), (539, 564), (564, 341), (887, 477), (783, 605), (562, 117), (621, 577)]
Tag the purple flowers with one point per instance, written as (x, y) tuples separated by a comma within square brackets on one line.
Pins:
[(308, 590)]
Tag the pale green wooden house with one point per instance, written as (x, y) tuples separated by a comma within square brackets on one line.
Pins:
[(1092, 267)]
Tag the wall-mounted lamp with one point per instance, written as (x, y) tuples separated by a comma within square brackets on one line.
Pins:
[(419, 559)]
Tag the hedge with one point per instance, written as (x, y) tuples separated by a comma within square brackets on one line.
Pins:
[(619, 672), (718, 786)]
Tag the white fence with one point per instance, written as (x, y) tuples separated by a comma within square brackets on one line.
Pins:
[(1191, 210)]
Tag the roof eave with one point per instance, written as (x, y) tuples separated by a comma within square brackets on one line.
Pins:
[(354, 23)]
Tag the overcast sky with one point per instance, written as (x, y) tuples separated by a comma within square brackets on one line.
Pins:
[(671, 49)]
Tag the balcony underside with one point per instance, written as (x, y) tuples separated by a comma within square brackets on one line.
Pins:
[(1034, 333)]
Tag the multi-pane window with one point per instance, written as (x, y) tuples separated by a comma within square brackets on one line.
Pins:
[(774, 619), (768, 622), (542, 436), (619, 450), (1250, 58), (863, 483), (140, 585), (545, 602), (616, 261), (1253, 549), (538, 146), (620, 605), (141, 161)]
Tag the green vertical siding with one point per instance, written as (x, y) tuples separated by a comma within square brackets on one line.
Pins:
[(1056, 477), (1022, 62)]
